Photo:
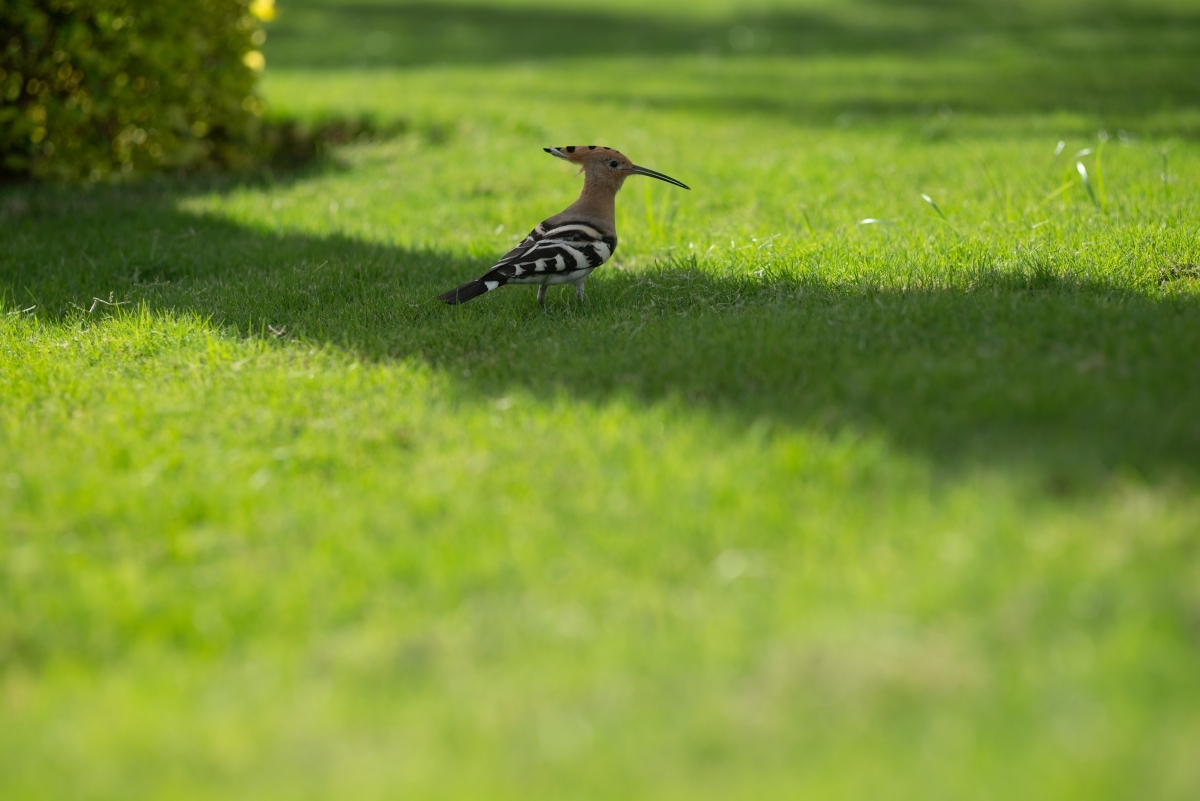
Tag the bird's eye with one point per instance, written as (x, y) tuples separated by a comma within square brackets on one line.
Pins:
[(613, 164)]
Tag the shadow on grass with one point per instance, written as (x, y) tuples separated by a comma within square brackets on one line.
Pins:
[(1080, 381), (1114, 59)]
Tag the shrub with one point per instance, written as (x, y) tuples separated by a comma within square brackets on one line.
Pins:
[(99, 89)]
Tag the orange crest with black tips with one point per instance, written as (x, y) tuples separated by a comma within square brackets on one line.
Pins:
[(581, 154)]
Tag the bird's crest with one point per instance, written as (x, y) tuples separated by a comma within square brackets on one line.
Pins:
[(578, 154)]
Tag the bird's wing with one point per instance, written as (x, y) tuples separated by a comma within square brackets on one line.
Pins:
[(565, 248), (535, 236)]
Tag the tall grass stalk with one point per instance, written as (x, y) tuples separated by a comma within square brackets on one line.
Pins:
[(1087, 184)]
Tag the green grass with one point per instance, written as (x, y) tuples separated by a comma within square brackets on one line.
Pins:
[(794, 507)]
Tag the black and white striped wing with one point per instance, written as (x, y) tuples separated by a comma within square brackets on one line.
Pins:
[(563, 253), (535, 236)]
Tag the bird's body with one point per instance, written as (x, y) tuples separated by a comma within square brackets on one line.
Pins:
[(555, 252), (566, 248)]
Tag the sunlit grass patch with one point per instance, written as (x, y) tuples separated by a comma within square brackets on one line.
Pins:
[(795, 504)]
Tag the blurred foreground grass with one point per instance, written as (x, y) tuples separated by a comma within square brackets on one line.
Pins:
[(798, 505)]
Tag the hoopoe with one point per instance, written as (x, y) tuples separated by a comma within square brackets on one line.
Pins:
[(565, 248)]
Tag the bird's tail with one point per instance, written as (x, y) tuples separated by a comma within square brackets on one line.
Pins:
[(469, 290)]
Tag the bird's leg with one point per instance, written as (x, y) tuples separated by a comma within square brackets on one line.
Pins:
[(579, 289), (542, 295)]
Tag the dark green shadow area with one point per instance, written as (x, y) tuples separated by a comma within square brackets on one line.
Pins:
[(1074, 382), (1118, 61)]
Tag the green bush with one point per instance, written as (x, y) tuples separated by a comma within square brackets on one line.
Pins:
[(99, 89)]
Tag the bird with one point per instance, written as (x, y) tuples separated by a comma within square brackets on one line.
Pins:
[(565, 248)]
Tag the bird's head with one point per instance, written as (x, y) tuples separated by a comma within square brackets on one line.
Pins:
[(604, 166)]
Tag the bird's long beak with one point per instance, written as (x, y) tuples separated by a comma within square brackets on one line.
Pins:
[(636, 170)]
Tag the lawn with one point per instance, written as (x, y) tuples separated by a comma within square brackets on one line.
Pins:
[(870, 469)]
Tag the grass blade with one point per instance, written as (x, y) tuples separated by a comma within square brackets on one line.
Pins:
[(931, 202), (1066, 185), (1083, 173), (807, 222)]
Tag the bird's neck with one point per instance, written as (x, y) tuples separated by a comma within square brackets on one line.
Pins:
[(597, 201)]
